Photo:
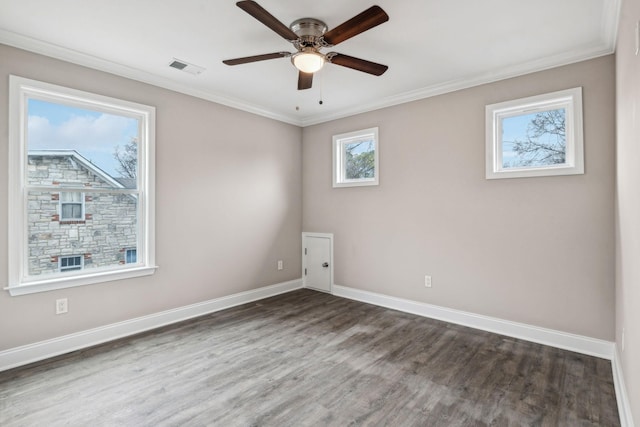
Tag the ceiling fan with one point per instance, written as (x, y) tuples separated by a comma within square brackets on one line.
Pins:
[(309, 36)]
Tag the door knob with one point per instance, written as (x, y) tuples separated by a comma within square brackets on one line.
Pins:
[(325, 264)]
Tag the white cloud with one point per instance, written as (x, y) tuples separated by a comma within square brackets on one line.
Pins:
[(94, 137), (82, 133)]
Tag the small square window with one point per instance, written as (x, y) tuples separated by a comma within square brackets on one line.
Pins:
[(70, 263), (71, 206), (536, 136), (355, 158), (131, 256)]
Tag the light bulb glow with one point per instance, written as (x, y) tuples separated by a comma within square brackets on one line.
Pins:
[(308, 62)]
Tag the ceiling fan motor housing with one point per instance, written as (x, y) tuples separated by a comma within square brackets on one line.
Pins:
[(309, 31)]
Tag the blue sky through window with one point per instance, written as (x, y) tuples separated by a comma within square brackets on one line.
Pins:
[(95, 135), (361, 146), (514, 129)]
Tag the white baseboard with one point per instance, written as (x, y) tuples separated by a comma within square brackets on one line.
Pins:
[(566, 341), (23, 355), (550, 337), (624, 408)]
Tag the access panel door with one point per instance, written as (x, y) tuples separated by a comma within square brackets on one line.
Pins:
[(317, 259)]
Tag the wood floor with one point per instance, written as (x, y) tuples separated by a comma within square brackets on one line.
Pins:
[(310, 359)]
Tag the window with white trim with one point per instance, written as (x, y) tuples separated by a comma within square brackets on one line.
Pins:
[(70, 263), (355, 158), (71, 206), (535, 136), (81, 179)]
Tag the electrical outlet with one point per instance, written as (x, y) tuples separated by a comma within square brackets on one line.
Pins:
[(62, 306), (427, 281), (280, 265)]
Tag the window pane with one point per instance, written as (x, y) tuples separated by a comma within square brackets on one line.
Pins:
[(359, 158), (102, 238), (72, 211), (107, 143), (534, 140), (71, 263), (132, 256), (71, 197)]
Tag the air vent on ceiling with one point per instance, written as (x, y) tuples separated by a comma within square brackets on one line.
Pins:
[(181, 65)]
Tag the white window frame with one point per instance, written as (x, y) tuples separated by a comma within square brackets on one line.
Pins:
[(62, 269), (19, 281), (339, 143), (570, 100), (82, 211)]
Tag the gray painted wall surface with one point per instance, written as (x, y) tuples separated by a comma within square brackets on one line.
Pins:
[(230, 203), (532, 250), (628, 203), (228, 207)]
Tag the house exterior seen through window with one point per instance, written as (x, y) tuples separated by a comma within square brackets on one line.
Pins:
[(81, 208), (100, 223)]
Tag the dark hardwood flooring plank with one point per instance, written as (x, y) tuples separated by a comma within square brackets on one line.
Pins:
[(310, 359)]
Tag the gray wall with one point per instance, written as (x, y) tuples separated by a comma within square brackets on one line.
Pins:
[(235, 190), (228, 207), (532, 250), (628, 203)]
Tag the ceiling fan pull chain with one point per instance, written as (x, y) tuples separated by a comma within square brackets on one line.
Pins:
[(322, 72)]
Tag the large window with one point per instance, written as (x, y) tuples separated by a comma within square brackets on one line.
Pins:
[(81, 182), (355, 158), (536, 136)]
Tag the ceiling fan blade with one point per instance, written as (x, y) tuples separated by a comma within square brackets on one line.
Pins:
[(256, 58), (358, 24), (304, 80), (258, 12), (357, 64)]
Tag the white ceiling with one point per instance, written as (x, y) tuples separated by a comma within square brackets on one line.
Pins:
[(430, 46)]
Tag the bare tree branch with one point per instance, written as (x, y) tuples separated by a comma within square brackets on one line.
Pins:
[(545, 142), (360, 165), (127, 159)]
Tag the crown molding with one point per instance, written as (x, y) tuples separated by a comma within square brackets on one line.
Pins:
[(606, 46), (610, 21), (79, 58), (468, 82)]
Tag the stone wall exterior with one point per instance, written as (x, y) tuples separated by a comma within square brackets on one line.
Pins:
[(101, 237)]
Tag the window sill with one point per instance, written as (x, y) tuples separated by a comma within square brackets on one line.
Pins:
[(355, 183), (86, 279), (534, 172)]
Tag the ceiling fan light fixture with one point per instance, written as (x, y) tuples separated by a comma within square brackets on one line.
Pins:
[(308, 60)]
